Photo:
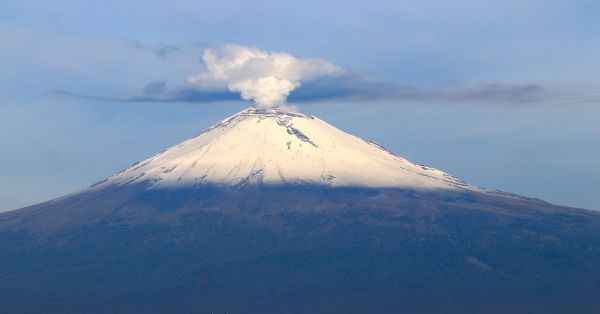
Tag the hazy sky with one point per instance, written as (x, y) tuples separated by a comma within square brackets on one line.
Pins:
[(502, 94)]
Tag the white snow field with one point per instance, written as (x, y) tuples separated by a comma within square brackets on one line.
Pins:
[(279, 146)]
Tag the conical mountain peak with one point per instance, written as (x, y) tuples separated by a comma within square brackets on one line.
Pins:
[(278, 146)]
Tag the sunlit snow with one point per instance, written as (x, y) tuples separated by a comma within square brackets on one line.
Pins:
[(279, 146)]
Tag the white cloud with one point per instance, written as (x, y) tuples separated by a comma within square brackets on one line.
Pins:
[(267, 78)]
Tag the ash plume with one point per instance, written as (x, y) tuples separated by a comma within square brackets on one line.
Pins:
[(265, 77)]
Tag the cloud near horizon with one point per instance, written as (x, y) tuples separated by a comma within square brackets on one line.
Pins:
[(269, 78), (348, 88)]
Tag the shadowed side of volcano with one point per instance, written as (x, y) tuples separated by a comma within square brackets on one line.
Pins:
[(298, 250)]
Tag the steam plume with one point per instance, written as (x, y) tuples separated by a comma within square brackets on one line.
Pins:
[(267, 78)]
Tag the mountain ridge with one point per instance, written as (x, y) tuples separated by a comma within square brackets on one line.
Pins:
[(130, 245)]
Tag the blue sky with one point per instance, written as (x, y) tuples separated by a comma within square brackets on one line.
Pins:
[(508, 91)]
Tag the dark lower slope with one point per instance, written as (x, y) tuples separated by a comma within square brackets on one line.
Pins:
[(298, 251)]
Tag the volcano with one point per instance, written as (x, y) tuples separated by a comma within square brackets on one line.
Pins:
[(276, 211)]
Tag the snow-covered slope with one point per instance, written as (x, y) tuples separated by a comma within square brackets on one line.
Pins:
[(277, 146)]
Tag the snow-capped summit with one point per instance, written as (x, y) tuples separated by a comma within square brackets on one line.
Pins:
[(279, 146)]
